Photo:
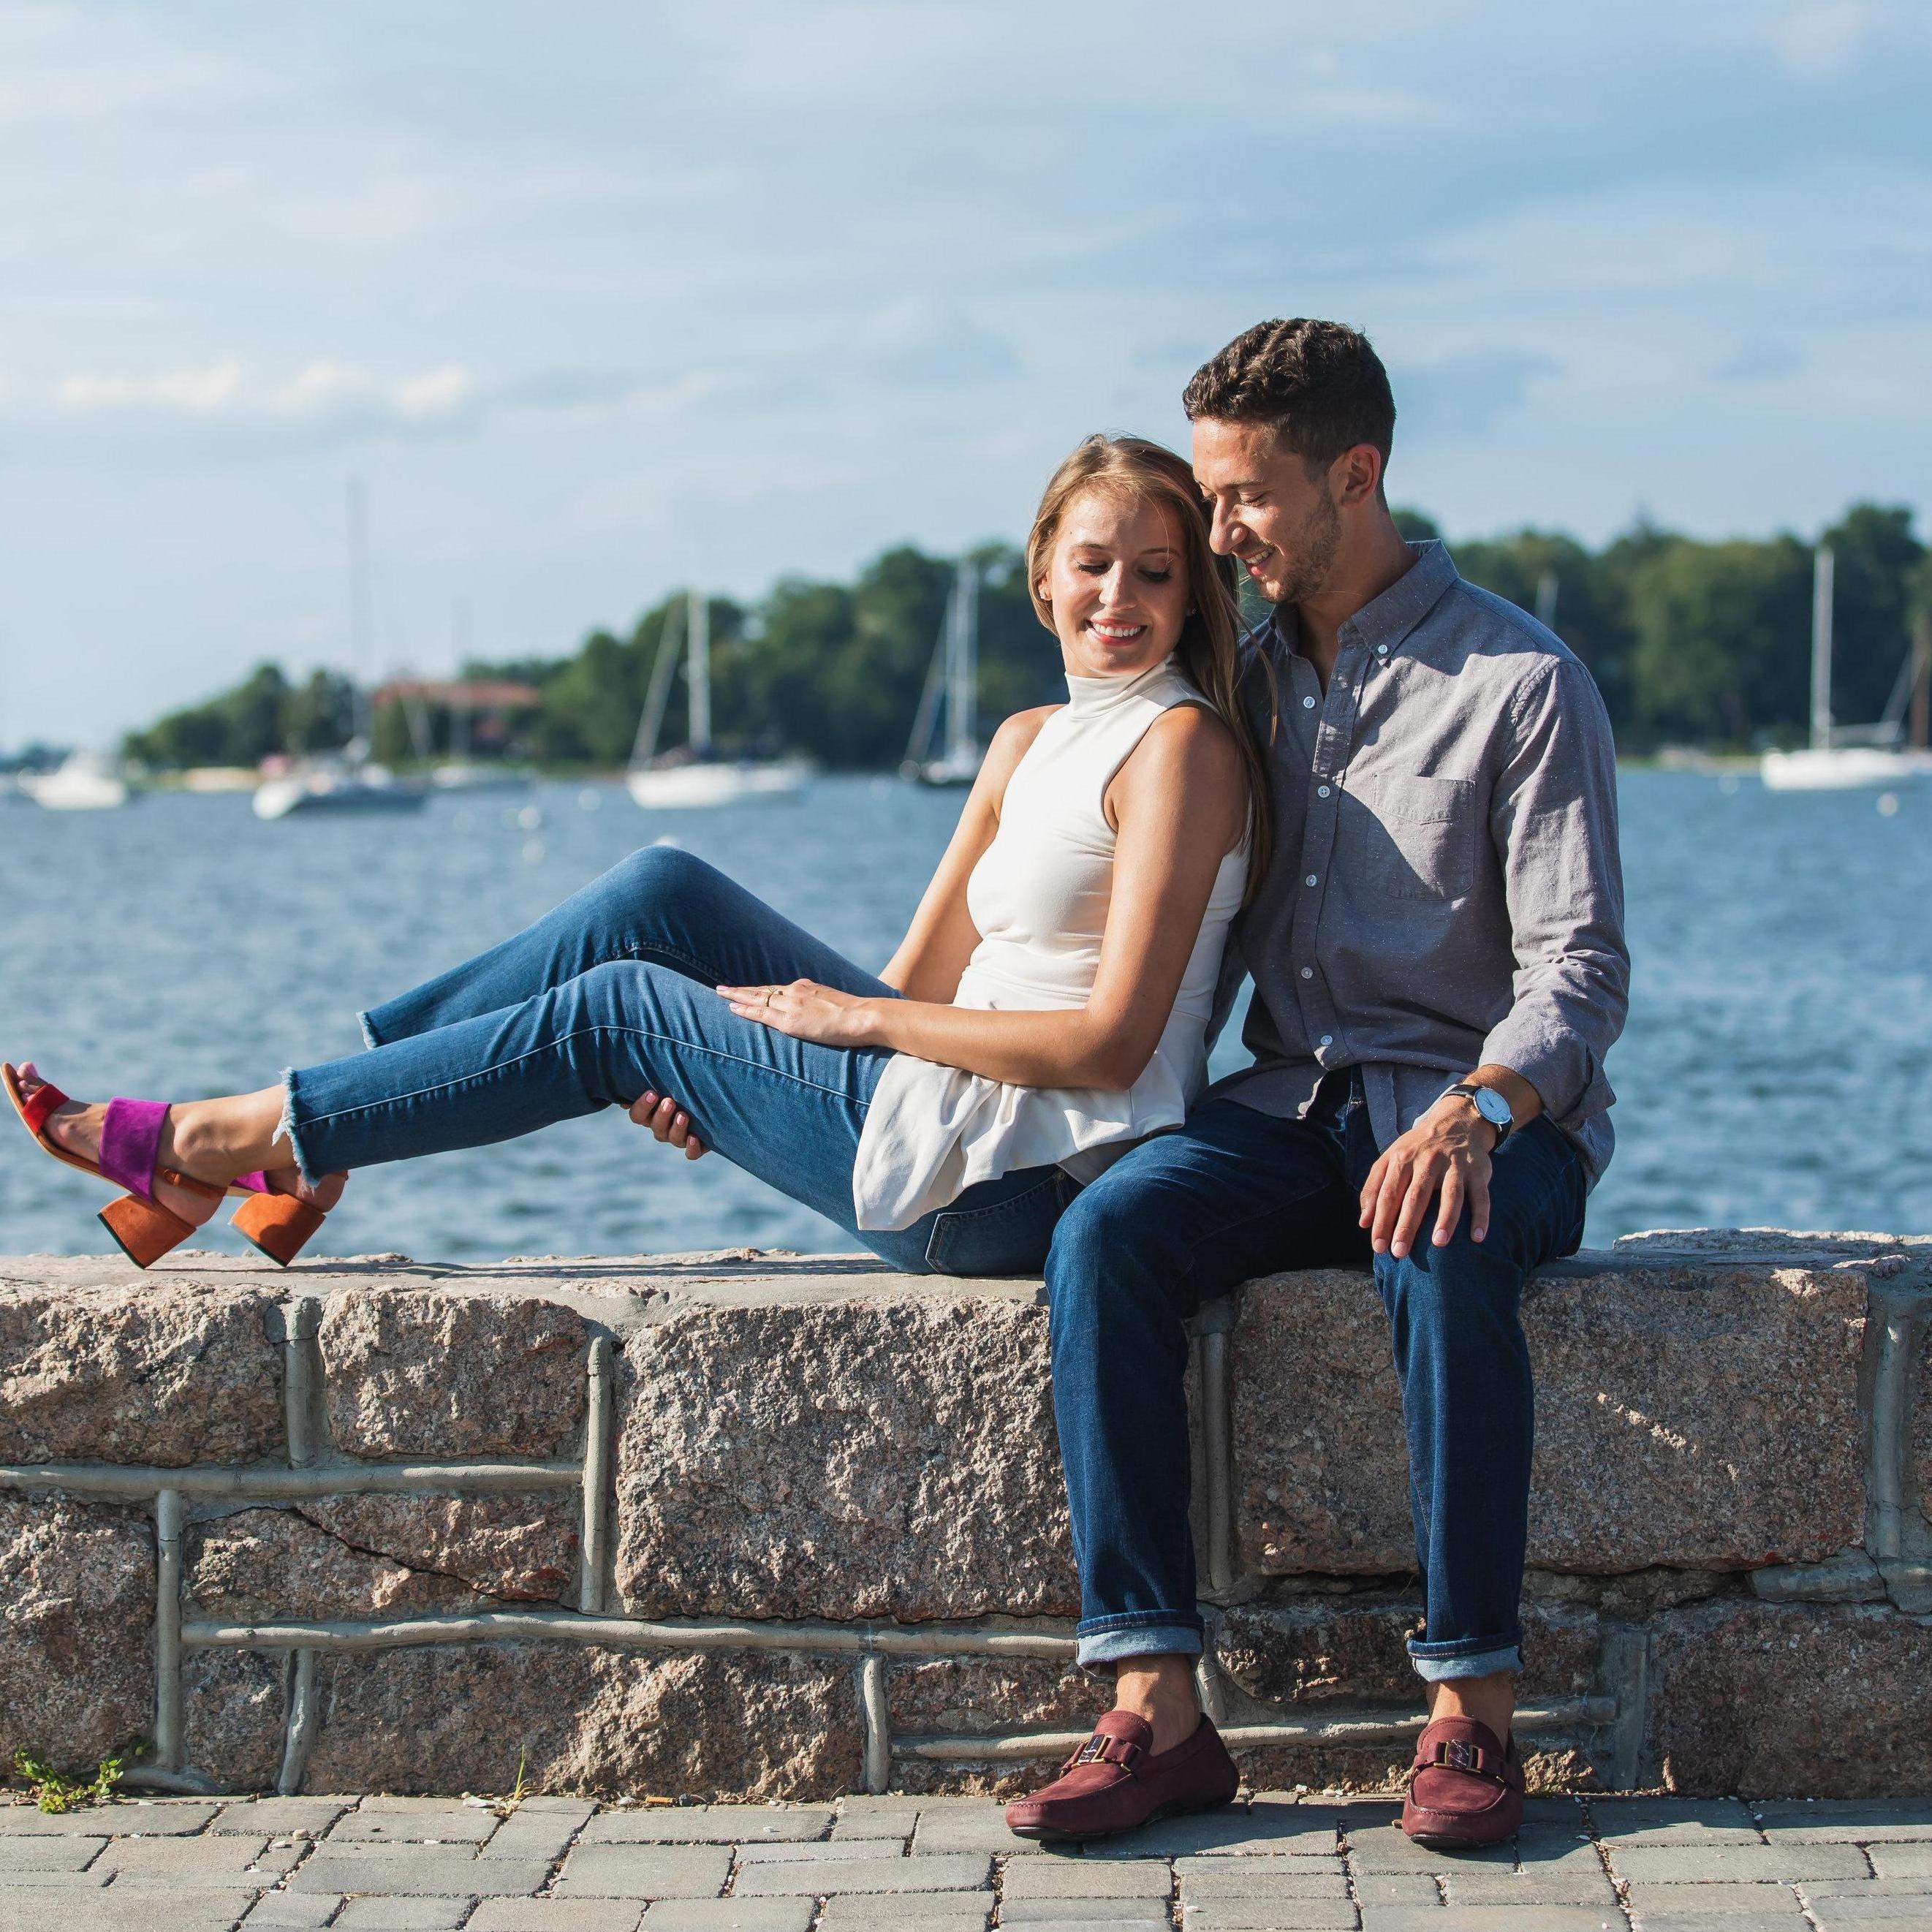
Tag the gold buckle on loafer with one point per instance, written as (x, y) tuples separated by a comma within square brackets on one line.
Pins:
[(1459, 1754), (1101, 1749)]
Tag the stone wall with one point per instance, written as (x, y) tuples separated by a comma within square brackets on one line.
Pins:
[(752, 1527)]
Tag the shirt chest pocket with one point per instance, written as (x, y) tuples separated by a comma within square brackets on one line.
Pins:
[(1419, 836)]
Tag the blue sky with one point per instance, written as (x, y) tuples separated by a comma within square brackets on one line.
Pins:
[(595, 298)]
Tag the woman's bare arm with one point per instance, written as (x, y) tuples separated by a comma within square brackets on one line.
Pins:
[(941, 937), (940, 940), (1180, 804)]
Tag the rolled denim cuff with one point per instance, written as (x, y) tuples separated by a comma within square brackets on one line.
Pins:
[(1105, 1647), (1438, 1662)]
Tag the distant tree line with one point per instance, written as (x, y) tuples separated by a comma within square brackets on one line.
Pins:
[(264, 715), (1691, 642), (1710, 644)]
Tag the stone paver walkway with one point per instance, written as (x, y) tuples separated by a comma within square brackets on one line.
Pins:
[(1276, 1863)]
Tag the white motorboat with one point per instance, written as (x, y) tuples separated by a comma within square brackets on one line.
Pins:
[(337, 785), (1843, 768), (84, 782), (1843, 757), (952, 680), (696, 774), (715, 780)]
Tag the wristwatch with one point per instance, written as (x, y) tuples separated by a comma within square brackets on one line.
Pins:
[(1491, 1104)]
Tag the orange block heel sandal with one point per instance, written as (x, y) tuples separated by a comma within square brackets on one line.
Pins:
[(144, 1231)]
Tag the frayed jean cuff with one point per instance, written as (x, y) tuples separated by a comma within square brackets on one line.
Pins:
[(287, 1127), (1438, 1662), (1101, 1649), (367, 1025)]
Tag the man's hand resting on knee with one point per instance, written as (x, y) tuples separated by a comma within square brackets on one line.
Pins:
[(1447, 1152), (668, 1122)]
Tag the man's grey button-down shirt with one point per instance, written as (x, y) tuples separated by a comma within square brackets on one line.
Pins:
[(1445, 892)]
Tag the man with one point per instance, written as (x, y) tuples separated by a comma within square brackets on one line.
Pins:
[(1439, 969)]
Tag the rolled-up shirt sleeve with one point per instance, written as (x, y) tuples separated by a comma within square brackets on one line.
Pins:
[(1553, 817)]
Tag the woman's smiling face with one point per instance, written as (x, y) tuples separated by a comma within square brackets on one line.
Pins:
[(1116, 586)]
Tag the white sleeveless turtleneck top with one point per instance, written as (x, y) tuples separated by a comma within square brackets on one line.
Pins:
[(1039, 897)]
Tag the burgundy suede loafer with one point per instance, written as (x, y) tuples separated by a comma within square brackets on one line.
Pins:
[(1465, 1790), (1113, 1783)]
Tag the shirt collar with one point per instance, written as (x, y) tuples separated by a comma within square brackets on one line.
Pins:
[(1386, 620)]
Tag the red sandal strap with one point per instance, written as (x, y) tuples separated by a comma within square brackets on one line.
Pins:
[(39, 1106)]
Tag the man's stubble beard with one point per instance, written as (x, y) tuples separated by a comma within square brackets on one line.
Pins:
[(1313, 555)]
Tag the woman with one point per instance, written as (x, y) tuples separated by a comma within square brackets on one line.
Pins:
[(1047, 1009)]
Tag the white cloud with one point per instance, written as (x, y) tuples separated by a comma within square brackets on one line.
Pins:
[(189, 391), (325, 392), (1824, 38), (91, 66), (436, 392), (317, 388)]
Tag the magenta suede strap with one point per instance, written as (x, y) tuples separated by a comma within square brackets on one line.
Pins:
[(130, 1138)]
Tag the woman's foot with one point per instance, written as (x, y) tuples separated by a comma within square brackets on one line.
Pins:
[(75, 1129)]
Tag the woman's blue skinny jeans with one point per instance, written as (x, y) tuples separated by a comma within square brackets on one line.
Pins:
[(610, 996)]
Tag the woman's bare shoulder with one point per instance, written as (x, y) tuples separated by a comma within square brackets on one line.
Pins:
[(1011, 743), (1015, 737), (1188, 759), (1194, 735)]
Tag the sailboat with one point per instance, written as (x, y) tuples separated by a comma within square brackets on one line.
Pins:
[(697, 773), (344, 781), (953, 678), (84, 781), (1846, 757)]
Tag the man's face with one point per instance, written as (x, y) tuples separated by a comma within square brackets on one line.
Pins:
[(1280, 524)]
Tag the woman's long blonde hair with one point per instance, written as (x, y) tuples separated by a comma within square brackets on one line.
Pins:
[(1208, 652)]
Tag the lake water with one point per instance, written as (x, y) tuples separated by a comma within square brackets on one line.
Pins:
[(1777, 1069)]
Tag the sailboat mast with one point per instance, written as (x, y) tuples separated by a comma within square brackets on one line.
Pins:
[(963, 654), (1821, 648), (1545, 600), (1919, 731), (698, 624), (459, 652), (360, 725)]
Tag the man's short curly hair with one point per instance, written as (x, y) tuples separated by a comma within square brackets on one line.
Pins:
[(1319, 384)]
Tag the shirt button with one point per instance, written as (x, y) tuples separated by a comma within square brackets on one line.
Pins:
[(1308, 704), (1320, 791), (1328, 1039), (1381, 650), (1308, 972), (1310, 879)]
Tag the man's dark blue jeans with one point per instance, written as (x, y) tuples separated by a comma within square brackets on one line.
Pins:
[(1235, 1194)]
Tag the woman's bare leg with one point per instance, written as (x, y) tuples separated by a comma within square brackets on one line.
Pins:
[(211, 1140)]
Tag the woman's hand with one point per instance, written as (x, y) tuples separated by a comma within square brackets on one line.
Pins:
[(806, 1011)]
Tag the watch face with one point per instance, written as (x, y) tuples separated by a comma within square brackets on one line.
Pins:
[(1493, 1107)]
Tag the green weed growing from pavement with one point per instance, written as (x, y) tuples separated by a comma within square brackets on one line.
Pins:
[(517, 1792), (52, 1793)]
